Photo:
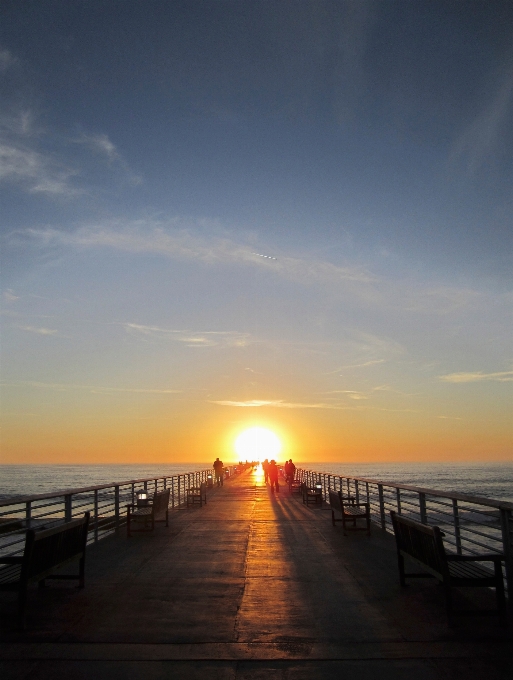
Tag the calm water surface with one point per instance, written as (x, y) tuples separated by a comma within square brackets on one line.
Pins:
[(492, 481)]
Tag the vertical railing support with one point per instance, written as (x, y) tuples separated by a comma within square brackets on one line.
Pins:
[(398, 499), (116, 507), (28, 514), (68, 513), (96, 512), (172, 492), (457, 532), (422, 508), (382, 507), (507, 546)]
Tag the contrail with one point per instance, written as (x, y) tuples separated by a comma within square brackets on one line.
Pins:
[(267, 257)]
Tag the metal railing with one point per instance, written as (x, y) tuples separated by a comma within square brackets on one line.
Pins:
[(105, 502), (472, 525)]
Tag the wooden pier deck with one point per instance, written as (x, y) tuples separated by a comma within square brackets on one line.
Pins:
[(252, 585)]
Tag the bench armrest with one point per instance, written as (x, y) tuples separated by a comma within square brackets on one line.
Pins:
[(488, 557), (11, 560)]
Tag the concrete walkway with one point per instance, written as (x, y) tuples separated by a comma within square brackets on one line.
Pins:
[(252, 585)]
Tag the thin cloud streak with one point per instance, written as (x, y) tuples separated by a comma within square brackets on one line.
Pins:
[(478, 376), (38, 331), (191, 338), (173, 240), (63, 387), (257, 403)]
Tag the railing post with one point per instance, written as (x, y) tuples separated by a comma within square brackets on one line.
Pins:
[(457, 532), (165, 483), (367, 492), (507, 546), (133, 493), (96, 512), (398, 496), (172, 492), (357, 490), (28, 514), (422, 507), (145, 486), (382, 507), (116, 506), (156, 485), (67, 508)]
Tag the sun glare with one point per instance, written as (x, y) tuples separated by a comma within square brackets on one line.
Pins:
[(257, 443)]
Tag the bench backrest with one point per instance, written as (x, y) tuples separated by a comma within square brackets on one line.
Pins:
[(46, 549), (160, 502), (335, 500), (422, 543)]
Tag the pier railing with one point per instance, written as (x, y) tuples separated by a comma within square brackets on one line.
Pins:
[(472, 525), (106, 503)]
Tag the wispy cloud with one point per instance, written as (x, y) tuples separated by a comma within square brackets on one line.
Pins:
[(481, 139), (477, 376), (39, 172), (7, 60), (278, 403), (99, 143), (173, 239), (95, 389), (191, 338), (10, 296), (38, 331)]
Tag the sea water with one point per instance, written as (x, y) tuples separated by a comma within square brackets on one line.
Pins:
[(494, 481)]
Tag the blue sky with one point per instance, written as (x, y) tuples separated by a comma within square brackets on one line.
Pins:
[(221, 214)]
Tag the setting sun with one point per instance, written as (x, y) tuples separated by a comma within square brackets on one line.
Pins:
[(257, 443)]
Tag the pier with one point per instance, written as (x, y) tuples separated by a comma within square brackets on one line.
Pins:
[(251, 585)]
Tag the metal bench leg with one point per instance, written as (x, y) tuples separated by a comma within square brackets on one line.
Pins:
[(499, 594)]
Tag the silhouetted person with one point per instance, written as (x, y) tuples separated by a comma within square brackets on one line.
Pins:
[(290, 470), (265, 467), (273, 475), (219, 471)]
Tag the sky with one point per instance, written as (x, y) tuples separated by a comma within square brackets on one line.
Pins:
[(218, 215)]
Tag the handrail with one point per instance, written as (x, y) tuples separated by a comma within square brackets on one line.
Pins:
[(480, 500), (473, 525), (106, 504), (84, 489)]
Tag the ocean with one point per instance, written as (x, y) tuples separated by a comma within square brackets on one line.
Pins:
[(493, 481)]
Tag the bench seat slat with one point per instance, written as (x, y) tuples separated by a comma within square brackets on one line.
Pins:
[(469, 570), (10, 575)]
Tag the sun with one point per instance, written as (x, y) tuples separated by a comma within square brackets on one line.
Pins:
[(257, 443)]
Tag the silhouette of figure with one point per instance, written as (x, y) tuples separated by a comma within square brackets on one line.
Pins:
[(219, 471), (273, 476), (290, 470), (265, 467)]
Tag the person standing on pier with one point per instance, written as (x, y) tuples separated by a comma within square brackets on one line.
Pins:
[(219, 471), (273, 476), (265, 467), (290, 469)]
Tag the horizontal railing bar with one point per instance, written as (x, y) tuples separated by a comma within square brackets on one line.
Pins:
[(14, 500), (478, 500)]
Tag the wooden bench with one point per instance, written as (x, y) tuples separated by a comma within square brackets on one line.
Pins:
[(197, 495), (350, 511), (157, 511), (423, 544), (46, 551), (295, 486), (311, 496)]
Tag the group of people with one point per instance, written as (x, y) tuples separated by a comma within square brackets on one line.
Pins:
[(271, 473)]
